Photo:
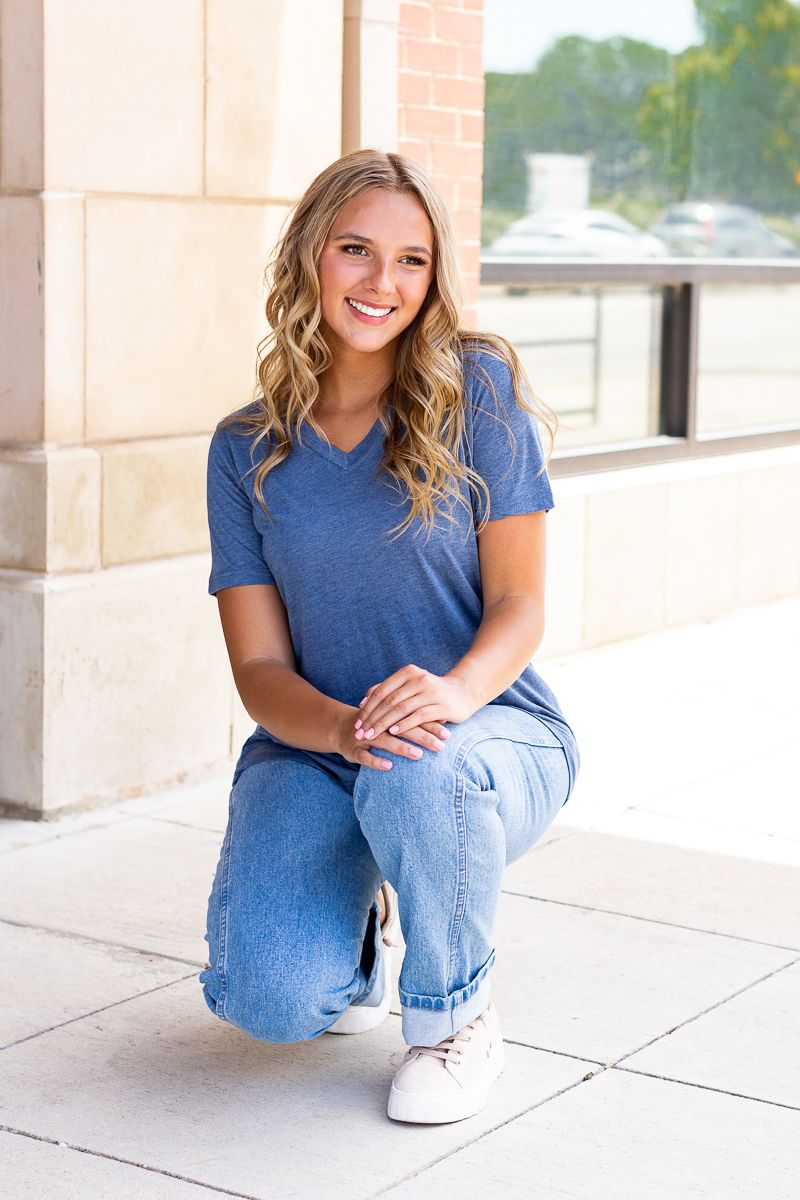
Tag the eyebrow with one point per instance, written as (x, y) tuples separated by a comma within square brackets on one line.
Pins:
[(359, 237)]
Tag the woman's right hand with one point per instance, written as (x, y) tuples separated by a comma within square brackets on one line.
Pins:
[(430, 735)]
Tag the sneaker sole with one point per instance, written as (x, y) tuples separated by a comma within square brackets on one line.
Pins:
[(360, 1018), (429, 1109)]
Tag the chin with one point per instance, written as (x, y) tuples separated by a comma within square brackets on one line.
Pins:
[(369, 339)]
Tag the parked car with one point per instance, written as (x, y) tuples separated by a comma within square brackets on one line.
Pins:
[(575, 233), (720, 231)]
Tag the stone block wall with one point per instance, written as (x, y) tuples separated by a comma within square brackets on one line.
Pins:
[(149, 155)]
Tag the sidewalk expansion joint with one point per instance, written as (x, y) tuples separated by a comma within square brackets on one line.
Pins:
[(128, 1162), (485, 1133), (73, 935), (613, 912), (717, 1004), (95, 1011), (706, 1087)]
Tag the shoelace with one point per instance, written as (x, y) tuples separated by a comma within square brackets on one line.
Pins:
[(448, 1047)]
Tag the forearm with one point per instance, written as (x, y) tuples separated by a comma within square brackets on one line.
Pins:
[(289, 707), (505, 643)]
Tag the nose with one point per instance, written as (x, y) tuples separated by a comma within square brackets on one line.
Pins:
[(381, 277)]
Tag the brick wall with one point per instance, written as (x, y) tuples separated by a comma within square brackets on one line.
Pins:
[(441, 95)]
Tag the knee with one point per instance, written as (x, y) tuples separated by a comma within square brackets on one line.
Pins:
[(269, 1010), (414, 791)]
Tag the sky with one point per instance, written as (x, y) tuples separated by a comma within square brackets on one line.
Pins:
[(517, 31)]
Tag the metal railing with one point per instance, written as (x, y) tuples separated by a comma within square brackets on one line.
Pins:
[(680, 280)]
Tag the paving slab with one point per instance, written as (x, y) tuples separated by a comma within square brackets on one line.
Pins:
[(688, 834), (599, 985), (655, 754), (137, 882), (749, 1045), (37, 1170), (58, 977), (204, 804), (625, 1137), (15, 833), (758, 796), (664, 710), (700, 889), (160, 1081)]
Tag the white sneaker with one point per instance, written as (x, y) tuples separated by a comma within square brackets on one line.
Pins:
[(359, 1018), (449, 1081)]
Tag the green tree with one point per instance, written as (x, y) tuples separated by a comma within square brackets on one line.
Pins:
[(727, 124), (581, 98)]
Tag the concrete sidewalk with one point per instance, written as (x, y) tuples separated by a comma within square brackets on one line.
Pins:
[(647, 977)]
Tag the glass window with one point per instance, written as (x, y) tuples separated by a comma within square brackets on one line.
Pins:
[(632, 132), (591, 354), (748, 358), (681, 118)]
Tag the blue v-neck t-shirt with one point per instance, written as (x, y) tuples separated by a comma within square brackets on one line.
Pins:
[(359, 604)]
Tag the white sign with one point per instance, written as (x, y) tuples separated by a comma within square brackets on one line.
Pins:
[(558, 181)]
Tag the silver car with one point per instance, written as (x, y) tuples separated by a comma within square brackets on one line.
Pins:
[(575, 233), (719, 231)]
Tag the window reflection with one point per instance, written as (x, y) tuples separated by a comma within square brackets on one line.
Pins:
[(591, 353), (622, 132), (748, 358)]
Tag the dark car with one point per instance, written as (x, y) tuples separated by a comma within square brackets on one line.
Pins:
[(719, 231)]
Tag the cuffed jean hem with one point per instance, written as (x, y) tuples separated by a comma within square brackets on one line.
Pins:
[(427, 1020)]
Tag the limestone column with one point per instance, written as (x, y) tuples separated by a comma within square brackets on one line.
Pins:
[(148, 156)]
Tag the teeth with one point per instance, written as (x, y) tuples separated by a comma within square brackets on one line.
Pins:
[(371, 312)]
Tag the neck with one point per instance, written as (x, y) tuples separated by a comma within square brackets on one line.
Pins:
[(353, 382)]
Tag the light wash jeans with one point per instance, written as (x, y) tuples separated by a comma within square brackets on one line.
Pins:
[(293, 928)]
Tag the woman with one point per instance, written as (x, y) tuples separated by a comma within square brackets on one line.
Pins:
[(404, 746)]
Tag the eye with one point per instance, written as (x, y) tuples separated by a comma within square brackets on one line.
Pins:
[(415, 261), (354, 246)]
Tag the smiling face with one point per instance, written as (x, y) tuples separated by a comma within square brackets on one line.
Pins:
[(374, 271)]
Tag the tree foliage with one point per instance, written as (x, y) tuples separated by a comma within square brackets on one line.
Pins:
[(580, 99), (727, 124), (720, 120)]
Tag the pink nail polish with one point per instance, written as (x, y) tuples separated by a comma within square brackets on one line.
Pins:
[(358, 723)]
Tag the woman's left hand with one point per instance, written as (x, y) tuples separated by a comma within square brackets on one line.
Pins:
[(409, 697)]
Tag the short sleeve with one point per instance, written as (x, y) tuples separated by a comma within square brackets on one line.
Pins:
[(511, 470), (237, 555)]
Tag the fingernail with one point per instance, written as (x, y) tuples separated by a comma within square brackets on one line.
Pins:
[(394, 728), (358, 723), (369, 733), (446, 733), (359, 733), (387, 766), (362, 701)]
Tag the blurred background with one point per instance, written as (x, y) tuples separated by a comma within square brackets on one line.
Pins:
[(625, 181), (624, 132)]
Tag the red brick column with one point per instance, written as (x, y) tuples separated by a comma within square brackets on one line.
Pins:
[(440, 55)]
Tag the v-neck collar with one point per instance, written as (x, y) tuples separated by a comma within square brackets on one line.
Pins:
[(343, 458)]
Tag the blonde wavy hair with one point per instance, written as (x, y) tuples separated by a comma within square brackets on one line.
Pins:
[(432, 357)]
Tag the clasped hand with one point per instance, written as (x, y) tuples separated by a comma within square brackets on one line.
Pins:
[(411, 703)]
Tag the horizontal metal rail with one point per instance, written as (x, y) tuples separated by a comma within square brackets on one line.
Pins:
[(680, 280), (657, 272)]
